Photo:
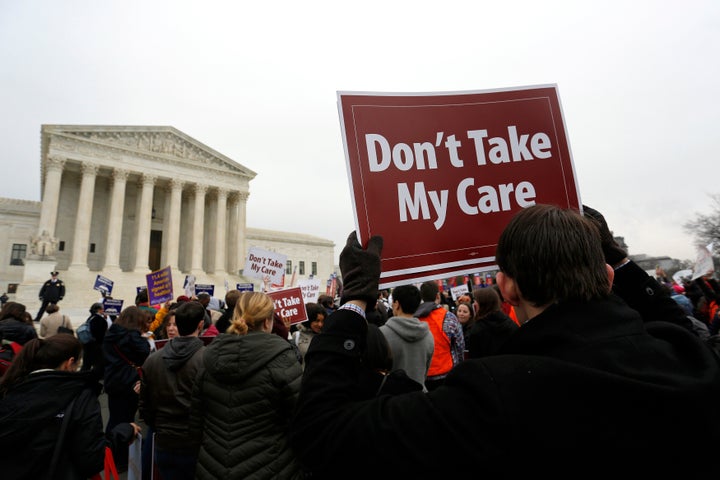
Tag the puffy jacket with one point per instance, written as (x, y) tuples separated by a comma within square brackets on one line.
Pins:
[(242, 405)]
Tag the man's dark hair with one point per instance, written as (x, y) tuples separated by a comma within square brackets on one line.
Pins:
[(187, 317), (408, 296), (231, 298), (429, 291), (554, 255)]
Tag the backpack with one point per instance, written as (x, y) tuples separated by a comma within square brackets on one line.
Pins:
[(84, 334), (8, 350)]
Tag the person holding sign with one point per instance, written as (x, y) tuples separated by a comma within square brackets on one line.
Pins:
[(589, 385)]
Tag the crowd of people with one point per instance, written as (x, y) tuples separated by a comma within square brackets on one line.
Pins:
[(574, 363)]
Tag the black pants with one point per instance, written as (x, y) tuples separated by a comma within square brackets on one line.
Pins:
[(44, 305)]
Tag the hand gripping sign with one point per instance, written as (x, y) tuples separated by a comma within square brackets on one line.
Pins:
[(439, 175)]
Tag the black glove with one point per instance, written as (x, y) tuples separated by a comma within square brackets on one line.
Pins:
[(613, 253), (360, 270)]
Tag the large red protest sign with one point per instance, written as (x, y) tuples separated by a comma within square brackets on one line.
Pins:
[(439, 175)]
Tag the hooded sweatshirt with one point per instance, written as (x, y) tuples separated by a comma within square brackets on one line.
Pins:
[(165, 399), (411, 344)]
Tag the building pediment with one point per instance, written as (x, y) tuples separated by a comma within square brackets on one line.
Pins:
[(160, 144)]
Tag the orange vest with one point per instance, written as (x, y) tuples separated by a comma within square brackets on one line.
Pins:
[(441, 362)]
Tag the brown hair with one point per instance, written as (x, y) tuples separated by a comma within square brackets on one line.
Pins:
[(52, 308), (132, 318), (553, 255), (251, 311), (488, 301), (13, 310), (40, 353)]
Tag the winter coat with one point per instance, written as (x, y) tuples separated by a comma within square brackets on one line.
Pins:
[(15, 330), (51, 291), (302, 338), (582, 390), (489, 333), (31, 415), (242, 405), (120, 376), (165, 398), (411, 344), (50, 323), (93, 351)]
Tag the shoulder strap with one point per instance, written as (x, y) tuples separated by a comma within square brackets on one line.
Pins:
[(61, 438)]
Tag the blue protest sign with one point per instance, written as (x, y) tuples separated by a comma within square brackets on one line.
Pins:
[(245, 287), (205, 288), (103, 284), (112, 306)]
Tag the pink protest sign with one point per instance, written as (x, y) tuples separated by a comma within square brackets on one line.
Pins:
[(439, 175)]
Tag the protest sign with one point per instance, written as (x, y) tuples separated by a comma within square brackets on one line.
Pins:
[(189, 285), (460, 290), (429, 166), (266, 265), (103, 284), (245, 287), (704, 263), (289, 304), (112, 306), (201, 287), (159, 286), (310, 289)]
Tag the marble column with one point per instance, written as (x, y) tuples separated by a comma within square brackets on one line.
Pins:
[(143, 219), (221, 232), (54, 166), (81, 238), (172, 232), (115, 220), (240, 237), (198, 229), (232, 254)]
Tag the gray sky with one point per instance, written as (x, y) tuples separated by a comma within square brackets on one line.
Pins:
[(257, 81)]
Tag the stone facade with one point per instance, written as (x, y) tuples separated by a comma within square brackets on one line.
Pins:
[(121, 201)]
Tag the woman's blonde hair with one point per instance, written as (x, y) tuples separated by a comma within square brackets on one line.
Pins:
[(251, 311)]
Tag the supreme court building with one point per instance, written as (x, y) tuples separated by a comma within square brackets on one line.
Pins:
[(122, 201)]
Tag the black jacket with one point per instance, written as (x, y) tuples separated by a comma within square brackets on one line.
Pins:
[(166, 394), (120, 376), (52, 291), (30, 420), (583, 390), (93, 352), (14, 330), (489, 333)]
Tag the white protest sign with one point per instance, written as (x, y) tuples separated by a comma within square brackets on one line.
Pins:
[(703, 263), (265, 265), (310, 289), (458, 291)]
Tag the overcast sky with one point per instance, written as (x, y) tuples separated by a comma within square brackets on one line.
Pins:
[(258, 82)]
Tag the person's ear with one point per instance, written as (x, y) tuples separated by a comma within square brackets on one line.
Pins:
[(611, 275), (200, 326), (508, 289), (68, 365)]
